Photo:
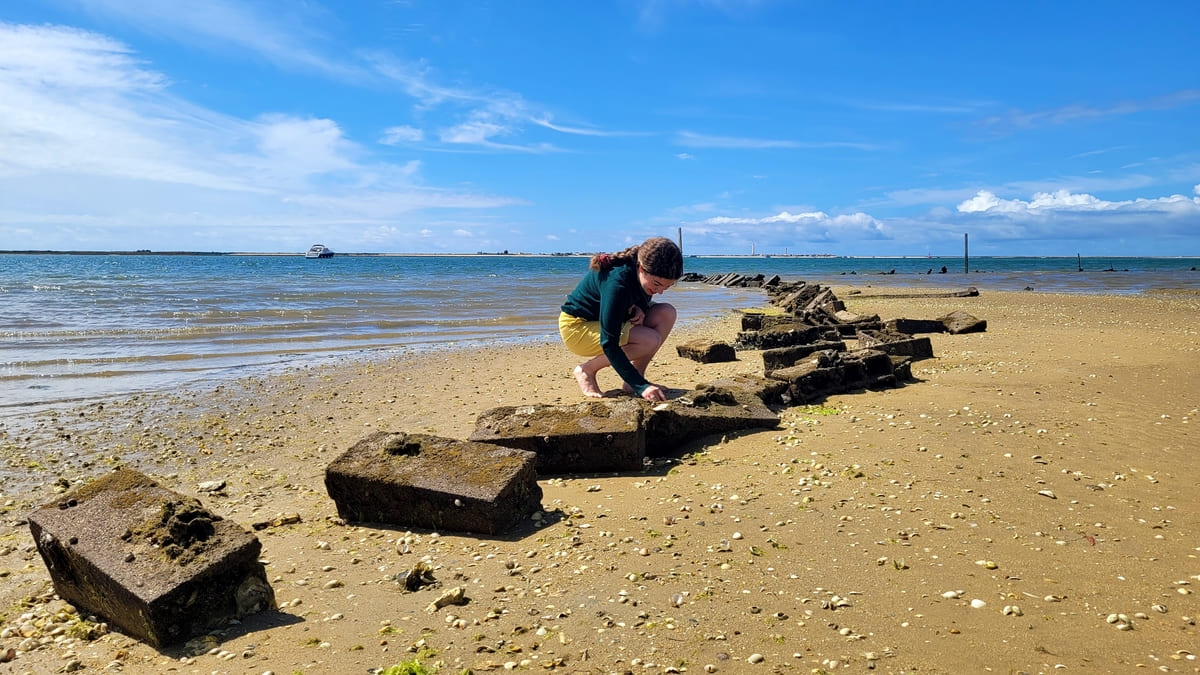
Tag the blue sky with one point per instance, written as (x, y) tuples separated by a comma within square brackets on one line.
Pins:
[(847, 128)]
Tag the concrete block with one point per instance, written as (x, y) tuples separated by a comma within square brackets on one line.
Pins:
[(914, 326), (808, 382), (418, 480), (829, 373), (781, 335), (785, 357), (151, 561), (766, 390), (897, 344), (962, 322), (707, 351), (867, 369), (755, 319), (603, 435), (706, 411)]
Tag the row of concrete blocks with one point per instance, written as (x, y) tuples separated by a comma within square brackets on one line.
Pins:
[(162, 568), (734, 280)]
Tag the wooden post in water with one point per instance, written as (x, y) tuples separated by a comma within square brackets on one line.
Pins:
[(679, 235), (966, 256)]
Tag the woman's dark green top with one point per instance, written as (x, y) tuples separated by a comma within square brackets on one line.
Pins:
[(607, 297)]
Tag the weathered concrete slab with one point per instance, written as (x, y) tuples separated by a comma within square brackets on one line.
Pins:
[(785, 357), (808, 382), (968, 292), (151, 561), (418, 480), (706, 411), (914, 326), (707, 351), (849, 317), (759, 320), (961, 322), (897, 344), (794, 298), (766, 390), (782, 335), (596, 436), (867, 369), (829, 372)]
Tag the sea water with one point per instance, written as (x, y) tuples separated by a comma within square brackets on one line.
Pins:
[(80, 327)]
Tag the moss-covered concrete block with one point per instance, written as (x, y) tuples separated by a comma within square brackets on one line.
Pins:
[(151, 561), (418, 480), (595, 436)]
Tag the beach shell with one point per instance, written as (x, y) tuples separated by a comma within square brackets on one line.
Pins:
[(454, 596)]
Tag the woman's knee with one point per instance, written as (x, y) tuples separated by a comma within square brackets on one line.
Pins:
[(661, 318), (643, 340)]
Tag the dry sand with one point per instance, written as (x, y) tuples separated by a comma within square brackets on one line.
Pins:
[(1027, 505)]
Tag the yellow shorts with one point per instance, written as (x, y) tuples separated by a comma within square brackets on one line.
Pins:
[(582, 337)]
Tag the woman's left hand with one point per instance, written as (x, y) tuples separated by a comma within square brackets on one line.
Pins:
[(637, 315), (654, 393)]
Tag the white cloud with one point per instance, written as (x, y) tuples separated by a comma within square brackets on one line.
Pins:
[(400, 135), (304, 146), (79, 109), (782, 227), (684, 155), (1063, 216), (1064, 201), (56, 58), (291, 37)]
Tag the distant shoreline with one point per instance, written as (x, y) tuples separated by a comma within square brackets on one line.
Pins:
[(743, 256), (481, 254)]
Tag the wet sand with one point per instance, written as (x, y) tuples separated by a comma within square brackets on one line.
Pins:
[(1027, 505)]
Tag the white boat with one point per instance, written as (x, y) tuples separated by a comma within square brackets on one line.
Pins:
[(319, 251)]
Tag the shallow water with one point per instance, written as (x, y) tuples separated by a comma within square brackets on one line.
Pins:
[(79, 327)]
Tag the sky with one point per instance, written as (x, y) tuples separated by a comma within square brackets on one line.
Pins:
[(801, 127)]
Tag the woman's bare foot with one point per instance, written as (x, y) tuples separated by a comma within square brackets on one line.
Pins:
[(587, 383)]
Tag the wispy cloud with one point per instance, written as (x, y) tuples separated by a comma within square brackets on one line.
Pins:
[(581, 131), (1017, 120), (293, 40), (280, 33), (78, 109), (400, 135), (910, 107), (696, 140)]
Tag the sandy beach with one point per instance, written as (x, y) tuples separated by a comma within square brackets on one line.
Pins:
[(1027, 505)]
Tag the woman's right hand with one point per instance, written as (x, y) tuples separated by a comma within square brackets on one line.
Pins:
[(654, 393)]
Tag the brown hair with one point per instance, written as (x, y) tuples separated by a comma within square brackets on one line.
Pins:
[(659, 256)]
